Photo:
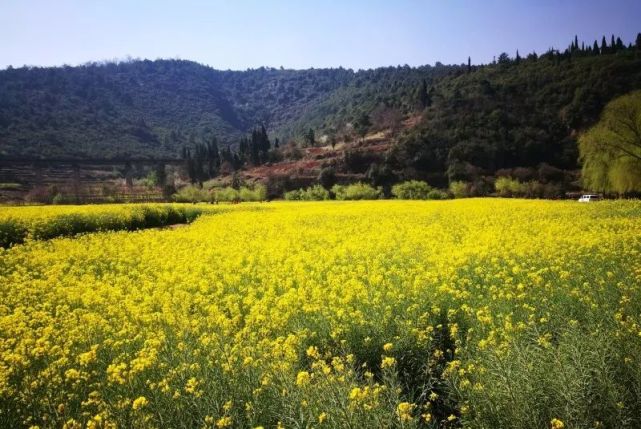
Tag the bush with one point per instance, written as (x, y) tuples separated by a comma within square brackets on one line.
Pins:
[(411, 190), (58, 199), (460, 189), (327, 177), (15, 230), (314, 193), (294, 195), (508, 187), (191, 194), (258, 193), (356, 191), (227, 194), (12, 231), (436, 194)]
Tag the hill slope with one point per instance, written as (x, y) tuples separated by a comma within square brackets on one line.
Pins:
[(514, 114), (152, 109), (478, 120)]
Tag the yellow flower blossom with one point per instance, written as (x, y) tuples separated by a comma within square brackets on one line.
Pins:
[(139, 403), (556, 424)]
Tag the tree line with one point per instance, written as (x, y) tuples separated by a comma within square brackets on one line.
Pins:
[(205, 160)]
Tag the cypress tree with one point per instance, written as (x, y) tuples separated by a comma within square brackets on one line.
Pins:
[(423, 98), (604, 46), (595, 48), (638, 42)]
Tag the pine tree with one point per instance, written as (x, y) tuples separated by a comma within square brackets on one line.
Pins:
[(595, 48), (620, 45), (265, 144), (423, 98), (161, 174), (213, 158), (517, 59), (638, 42), (604, 46), (576, 42), (255, 147), (310, 137), (613, 47), (243, 150), (469, 64)]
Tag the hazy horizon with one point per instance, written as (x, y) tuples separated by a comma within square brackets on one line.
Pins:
[(251, 34)]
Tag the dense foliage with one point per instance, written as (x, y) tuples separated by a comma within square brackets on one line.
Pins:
[(412, 190), (611, 150), (39, 223), (398, 314), (356, 191), (153, 109), (313, 193), (524, 113), (195, 194)]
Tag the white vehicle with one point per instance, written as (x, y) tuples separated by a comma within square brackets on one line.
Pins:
[(587, 198)]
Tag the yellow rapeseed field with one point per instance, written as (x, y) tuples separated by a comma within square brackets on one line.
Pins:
[(480, 313)]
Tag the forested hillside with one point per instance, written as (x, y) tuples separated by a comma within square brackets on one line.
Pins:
[(152, 109), (475, 120), (519, 112)]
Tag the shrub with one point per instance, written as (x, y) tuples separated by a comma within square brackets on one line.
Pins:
[(508, 187), (436, 194), (12, 231), (327, 177), (191, 194), (411, 190), (58, 199), (62, 221), (314, 193), (356, 191), (293, 195), (258, 193), (533, 189), (227, 194), (460, 189)]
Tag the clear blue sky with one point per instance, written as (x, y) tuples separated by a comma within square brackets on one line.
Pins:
[(240, 34)]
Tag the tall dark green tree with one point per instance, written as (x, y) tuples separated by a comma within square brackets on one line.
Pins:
[(310, 137), (161, 174), (423, 97), (213, 157), (638, 42), (363, 124), (504, 58)]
